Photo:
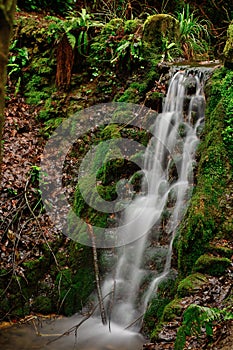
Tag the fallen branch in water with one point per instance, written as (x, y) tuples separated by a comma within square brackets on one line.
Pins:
[(75, 328), (135, 321)]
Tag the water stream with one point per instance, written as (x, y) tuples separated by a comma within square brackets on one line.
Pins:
[(172, 147), (166, 188)]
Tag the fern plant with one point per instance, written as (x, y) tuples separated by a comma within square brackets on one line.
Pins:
[(169, 49), (195, 318), (18, 59), (128, 51), (74, 28)]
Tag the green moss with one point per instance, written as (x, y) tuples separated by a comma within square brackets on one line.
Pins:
[(34, 269), (180, 338), (191, 284), (111, 131), (139, 87), (156, 331), (212, 265), (161, 307), (132, 25), (134, 93), (74, 288), (228, 49), (156, 28), (112, 26), (155, 312), (172, 310), (130, 95), (220, 250), (206, 217), (42, 304)]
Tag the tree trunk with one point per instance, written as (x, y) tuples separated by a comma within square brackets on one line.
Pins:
[(7, 10), (65, 62)]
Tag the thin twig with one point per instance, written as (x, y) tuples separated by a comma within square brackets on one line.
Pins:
[(111, 305), (97, 278), (135, 321)]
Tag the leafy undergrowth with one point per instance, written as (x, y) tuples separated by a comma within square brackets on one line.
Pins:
[(35, 259)]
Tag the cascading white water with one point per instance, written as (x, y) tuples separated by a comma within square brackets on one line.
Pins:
[(173, 145)]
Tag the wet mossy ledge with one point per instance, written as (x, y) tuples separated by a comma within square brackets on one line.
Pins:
[(209, 217)]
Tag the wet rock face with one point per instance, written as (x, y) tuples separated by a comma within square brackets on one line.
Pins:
[(156, 28), (228, 49), (191, 85)]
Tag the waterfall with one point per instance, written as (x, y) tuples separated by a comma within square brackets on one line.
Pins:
[(152, 217), (172, 149)]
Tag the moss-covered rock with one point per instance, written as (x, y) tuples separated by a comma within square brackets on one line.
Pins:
[(212, 265), (228, 49), (206, 216), (191, 284), (172, 310), (217, 248), (156, 29)]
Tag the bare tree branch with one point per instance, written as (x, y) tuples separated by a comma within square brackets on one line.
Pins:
[(97, 278)]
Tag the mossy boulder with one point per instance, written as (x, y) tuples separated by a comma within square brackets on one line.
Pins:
[(172, 310), (212, 265), (228, 49), (191, 284), (156, 29)]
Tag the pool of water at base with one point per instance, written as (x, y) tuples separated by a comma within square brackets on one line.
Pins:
[(91, 335)]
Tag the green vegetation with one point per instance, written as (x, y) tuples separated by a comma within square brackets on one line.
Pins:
[(191, 284), (193, 34), (56, 6), (212, 265), (75, 28), (85, 57), (172, 310), (227, 100), (206, 216), (119, 45), (184, 36), (195, 318), (160, 32), (18, 60), (228, 49)]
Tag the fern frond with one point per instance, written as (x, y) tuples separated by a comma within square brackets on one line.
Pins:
[(72, 39), (195, 317)]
